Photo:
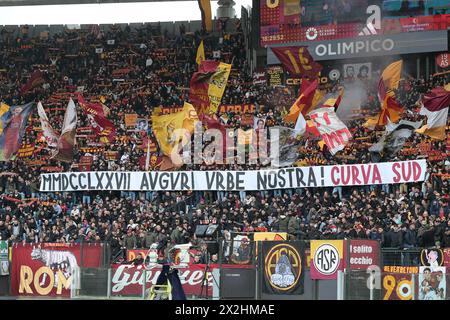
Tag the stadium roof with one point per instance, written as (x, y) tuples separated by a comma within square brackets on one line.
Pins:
[(65, 12), (62, 2)]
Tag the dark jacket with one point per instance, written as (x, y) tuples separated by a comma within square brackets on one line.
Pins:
[(293, 225), (397, 239), (410, 238), (177, 236), (150, 238), (130, 242), (282, 224)]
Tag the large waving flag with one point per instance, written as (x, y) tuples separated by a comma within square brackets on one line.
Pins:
[(49, 134), (390, 108), (13, 123), (334, 132), (66, 141), (435, 106), (164, 127), (205, 8), (394, 138), (97, 113), (298, 61), (308, 99), (208, 85)]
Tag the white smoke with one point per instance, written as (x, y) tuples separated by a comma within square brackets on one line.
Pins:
[(355, 95)]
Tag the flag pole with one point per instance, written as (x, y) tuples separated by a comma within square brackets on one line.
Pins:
[(147, 159)]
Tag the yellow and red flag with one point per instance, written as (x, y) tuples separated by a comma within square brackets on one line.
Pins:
[(308, 99), (390, 109), (97, 113), (208, 85), (298, 61)]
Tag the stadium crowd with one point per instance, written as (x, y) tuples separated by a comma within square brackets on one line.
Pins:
[(146, 68)]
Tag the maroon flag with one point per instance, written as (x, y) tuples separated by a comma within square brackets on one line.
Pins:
[(36, 79), (198, 94), (97, 113), (297, 61), (213, 123)]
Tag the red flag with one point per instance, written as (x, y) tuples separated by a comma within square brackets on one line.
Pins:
[(36, 79), (298, 61), (97, 113), (213, 123)]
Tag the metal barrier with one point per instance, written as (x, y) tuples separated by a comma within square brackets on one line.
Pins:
[(400, 257)]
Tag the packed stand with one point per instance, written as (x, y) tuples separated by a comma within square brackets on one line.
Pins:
[(147, 68)]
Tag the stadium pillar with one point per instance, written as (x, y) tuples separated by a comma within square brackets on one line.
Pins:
[(418, 67)]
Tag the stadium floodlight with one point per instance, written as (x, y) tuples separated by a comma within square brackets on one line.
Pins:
[(226, 9)]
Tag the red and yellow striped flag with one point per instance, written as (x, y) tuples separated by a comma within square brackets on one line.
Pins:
[(308, 99)]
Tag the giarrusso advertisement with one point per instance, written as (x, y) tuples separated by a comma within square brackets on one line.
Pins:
[(48, 269), (127, 280)]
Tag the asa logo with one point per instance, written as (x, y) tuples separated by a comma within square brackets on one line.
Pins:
[(326, 259)]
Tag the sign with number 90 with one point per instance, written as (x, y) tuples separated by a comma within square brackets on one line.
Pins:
[(397, 287)]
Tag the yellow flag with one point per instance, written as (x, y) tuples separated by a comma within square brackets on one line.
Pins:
[(217, 85), (205, 9), (3, 109), (200, 53), (321, 144), (165, 126), (391, 75)]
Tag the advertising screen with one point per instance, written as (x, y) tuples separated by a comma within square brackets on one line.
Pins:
[(287, 21)]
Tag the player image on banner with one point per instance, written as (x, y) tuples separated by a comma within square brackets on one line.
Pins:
[(141, 125), (432, 258), (432, 283), (283, 267), (360, 71)]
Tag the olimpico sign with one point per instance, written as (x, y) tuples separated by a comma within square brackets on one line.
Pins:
[(354, 47), (369, 46)]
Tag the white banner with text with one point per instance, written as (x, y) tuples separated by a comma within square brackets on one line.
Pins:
[(267, 179)]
